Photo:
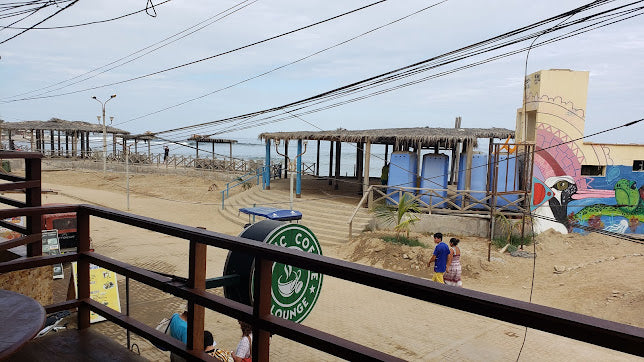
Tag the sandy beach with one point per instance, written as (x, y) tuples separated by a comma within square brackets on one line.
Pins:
[(593, 275)]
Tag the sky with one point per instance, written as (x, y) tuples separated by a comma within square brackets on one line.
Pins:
[(484, 96)]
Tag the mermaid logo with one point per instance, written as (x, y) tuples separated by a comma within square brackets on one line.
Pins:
[(294, 290)]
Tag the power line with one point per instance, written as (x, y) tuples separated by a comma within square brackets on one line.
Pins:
[(90, 22), (381, 78), (206, 58), (284, 65), (168, 40), (40, 22)]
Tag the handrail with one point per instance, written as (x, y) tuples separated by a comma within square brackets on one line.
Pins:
[(240, 180), (362, 200)]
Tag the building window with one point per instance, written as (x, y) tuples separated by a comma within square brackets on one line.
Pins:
[(592, 170), (638, 165)]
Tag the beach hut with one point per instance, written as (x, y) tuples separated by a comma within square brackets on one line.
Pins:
[(456, 140), (60, 133)]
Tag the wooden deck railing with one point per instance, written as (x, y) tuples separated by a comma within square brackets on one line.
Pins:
[(572, 325), (621, 337)]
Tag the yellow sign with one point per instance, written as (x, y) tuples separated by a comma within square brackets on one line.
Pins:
[(103, 288)]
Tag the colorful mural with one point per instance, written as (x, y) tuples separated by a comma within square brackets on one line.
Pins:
[(563, 198)]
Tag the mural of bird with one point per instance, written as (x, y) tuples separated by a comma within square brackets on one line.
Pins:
[(563, 188)]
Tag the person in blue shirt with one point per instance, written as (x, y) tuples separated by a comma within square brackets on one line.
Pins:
[(442, 258), (178, 329)]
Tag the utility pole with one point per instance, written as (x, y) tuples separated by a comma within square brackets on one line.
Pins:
[(104, 130)]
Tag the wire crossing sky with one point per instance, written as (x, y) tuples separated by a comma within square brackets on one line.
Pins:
[(484, 94)]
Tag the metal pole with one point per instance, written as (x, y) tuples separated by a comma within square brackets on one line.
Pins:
[(103, 104)]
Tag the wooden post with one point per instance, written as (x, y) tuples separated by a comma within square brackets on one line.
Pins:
[(261, 307), (33, 198), (367, 163), (59, 143), (87, 149), (331, 163), (419, 163), (51, 141), (197, 281), (317, 162), (66, 144), (82, 226), (359, 160), (197, 144), (230, 152), (74, 143), (114, 144), (286, 165), (149, 153), (32, 140), (469, 152), (213, 151), (82, 144), (338, 151)]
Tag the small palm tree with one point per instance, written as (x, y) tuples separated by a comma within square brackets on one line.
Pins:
[(403, 215)]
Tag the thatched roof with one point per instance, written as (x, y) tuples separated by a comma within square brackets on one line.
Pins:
[(56, 124), (428, 137), (147, 136), (206, 139)]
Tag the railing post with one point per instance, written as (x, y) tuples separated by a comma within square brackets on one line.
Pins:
[(223, 197), (33, 198), (261, 307), (197, 281), (82, 226)]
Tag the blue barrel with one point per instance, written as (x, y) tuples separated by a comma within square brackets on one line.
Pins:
[(508, 180), (434, 176), (479, 177), (402, 172)]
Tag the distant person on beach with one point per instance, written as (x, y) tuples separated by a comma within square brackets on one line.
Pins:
[(166, 152), (244, 346), (441, 258), (384, 176), (453, 274)]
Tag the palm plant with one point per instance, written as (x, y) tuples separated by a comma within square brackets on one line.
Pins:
[(402, 216)]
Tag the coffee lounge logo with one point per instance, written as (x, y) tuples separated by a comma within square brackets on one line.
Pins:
[(294, 290)]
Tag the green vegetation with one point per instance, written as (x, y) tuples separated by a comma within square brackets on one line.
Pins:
[(403, 240), (402, 216), (515, 241)]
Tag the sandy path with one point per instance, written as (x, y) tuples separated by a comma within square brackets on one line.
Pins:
[(402, 326)]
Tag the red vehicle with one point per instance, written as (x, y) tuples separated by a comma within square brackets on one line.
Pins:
[(65, 223)]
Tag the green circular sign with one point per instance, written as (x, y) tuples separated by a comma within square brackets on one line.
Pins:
[(294, 291)]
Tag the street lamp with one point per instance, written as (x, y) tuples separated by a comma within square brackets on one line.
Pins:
[(104, 130)]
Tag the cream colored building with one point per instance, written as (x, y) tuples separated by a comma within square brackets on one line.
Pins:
[(577, 182)]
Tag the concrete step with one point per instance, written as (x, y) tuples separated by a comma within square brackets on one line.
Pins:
[(315, 213)]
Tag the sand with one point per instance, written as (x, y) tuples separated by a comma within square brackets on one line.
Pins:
[(593, 275)]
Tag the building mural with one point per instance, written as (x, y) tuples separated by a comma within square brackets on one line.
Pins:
[(577, 183)]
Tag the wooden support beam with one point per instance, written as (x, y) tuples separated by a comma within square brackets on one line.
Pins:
[(82, 226), (196, 281), (338, 151), (331, 163), (367, 165)]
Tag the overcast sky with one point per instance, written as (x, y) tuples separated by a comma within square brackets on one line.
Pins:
[(484, 96)]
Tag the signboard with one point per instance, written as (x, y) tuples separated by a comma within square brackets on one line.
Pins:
[(51, 246), (103, 288), (294, 291)]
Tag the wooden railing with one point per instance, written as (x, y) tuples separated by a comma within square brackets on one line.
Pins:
[(453, 201), (605, 333), (625, 338)]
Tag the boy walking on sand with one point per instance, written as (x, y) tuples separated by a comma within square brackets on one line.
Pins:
[(442, 258)]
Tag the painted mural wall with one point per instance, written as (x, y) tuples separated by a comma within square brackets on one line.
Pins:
[(563, 198)]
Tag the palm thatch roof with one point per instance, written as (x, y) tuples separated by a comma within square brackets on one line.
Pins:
[(147, 136), (206, 139), (426, 136), (56, 124)]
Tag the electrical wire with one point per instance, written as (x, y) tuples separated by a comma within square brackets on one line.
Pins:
[(162, 43), (40, 22), (343, 89), (206, 58), (90, 22)]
